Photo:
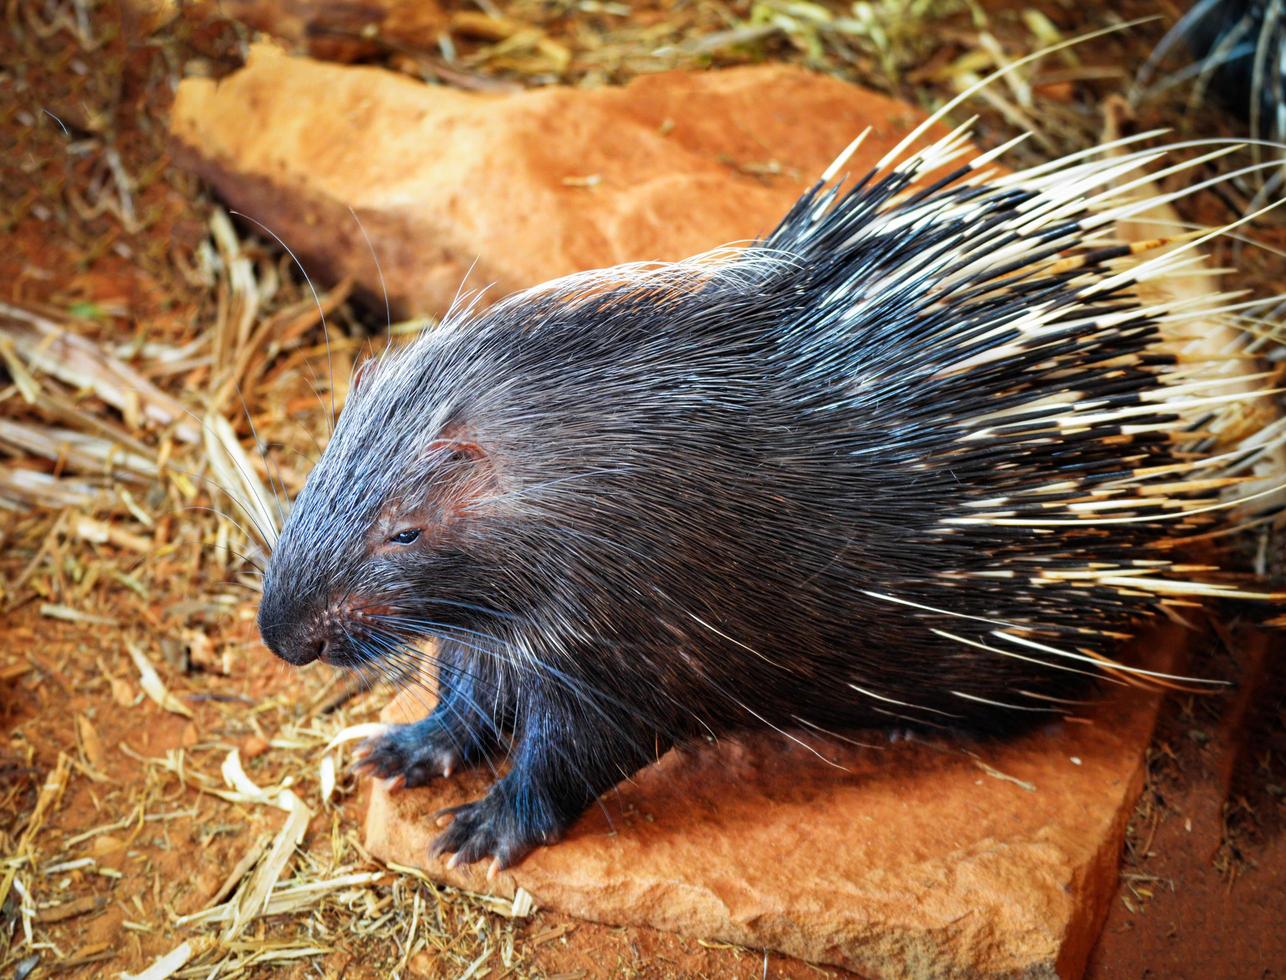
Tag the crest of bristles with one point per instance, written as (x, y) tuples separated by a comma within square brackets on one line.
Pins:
[(920, 458)]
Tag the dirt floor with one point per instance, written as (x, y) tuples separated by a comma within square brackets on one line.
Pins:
[(131, 676)]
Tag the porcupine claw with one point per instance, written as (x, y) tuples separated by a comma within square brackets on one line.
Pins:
[(490, 827), (493, 869), (410, 755)]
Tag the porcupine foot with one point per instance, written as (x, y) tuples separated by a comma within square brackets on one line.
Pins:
[(496, 827), (555, 776), (456, 735), (415, 755)]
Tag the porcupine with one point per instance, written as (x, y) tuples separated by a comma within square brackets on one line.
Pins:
[(919, 458)]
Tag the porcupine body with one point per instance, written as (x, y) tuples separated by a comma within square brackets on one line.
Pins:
[(919, 459)]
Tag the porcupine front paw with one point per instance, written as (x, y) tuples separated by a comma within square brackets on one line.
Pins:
[(496, 827), (417, 754)]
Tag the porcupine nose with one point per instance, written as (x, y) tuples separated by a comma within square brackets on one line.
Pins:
[(291, 644)]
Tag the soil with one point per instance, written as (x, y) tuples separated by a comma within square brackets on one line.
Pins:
[(172, 867), (1204, 877), (1203, 882)]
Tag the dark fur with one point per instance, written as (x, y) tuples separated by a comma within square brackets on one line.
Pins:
[(657, 507)]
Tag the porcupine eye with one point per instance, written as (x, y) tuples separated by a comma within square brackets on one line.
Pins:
[(405, 537)]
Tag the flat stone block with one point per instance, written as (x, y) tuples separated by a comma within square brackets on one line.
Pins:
[(909, 858), (507, 191)]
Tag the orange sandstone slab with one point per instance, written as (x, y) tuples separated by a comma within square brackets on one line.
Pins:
[(906, 859), (511, 190)]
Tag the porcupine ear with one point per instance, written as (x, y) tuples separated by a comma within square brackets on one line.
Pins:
[(466, 467)]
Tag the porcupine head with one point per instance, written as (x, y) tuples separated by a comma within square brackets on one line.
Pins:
[(890, 466)]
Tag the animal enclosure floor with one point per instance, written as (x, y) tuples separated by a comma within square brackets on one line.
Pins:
[(103, 234), (1181, 912)]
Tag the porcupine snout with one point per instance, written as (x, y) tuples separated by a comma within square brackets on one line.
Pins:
[(300, 632), (294, 642)]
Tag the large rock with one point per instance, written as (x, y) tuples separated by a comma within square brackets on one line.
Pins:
[(906, 859), (517, 188)]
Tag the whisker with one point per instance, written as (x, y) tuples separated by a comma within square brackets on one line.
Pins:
[(321, 312), (254, 434), (379, 271)]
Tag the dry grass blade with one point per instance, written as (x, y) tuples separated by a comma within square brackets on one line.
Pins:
[(99, 532), (77, 451), (50, 794), (356, 733), (235, 474), (239, 296), (173, 961), (69, 615), (274, 334), (253, 898), (51, 349), (326, 777), (30, 488), (152, 685), (238, 872)]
